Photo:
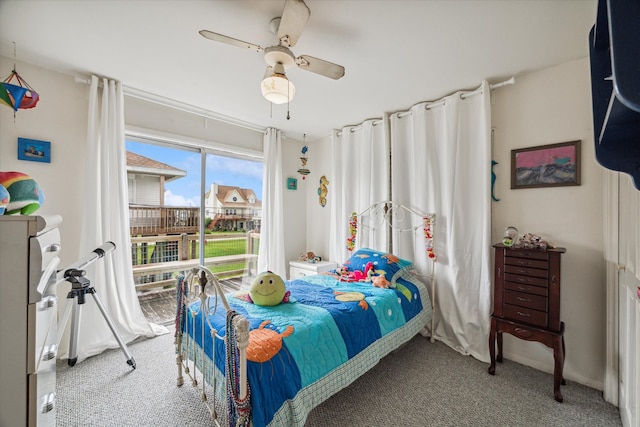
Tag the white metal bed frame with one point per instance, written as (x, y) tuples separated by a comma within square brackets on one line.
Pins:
[(207, 285)]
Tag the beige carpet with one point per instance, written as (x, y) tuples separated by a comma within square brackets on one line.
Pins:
[(421, 384)]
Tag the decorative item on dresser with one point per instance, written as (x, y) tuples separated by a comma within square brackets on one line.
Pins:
[(527, 303), (29, 256), (305, 268)]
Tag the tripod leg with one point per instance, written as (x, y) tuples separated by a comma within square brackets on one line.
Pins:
[(73, 339), (98, 301), (63, 319)]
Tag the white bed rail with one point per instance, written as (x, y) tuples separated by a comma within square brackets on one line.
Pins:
[(203, 284)]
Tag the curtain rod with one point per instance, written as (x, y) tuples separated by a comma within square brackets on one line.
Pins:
[(434, 104), (465, 95), (187, 108)]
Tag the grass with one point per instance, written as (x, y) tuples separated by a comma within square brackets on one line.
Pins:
[(213, 248)]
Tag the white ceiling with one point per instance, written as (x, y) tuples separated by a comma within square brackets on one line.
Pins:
[(396, 53)]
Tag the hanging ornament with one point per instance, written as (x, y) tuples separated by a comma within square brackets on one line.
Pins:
[(17, 94), (429, 222), (353, 231), (303, 170), (323, 189)]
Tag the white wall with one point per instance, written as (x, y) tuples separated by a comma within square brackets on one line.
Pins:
[(295, 208), (318, 217), (60, 118), (545, 107)]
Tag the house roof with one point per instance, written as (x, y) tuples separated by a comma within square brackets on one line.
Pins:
[(226, 191), (144, 165)]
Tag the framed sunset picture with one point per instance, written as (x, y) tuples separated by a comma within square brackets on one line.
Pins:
[(553, 165)]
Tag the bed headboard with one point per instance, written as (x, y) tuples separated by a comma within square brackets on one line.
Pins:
[(384, 224)]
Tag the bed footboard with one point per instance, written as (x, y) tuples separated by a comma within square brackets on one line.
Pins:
[(225, 398)]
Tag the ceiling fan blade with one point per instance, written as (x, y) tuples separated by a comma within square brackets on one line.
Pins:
[(319, 66), (294, 17), (229, 40)]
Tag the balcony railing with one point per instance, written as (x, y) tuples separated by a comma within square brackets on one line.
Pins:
[(156, 260), (159, 220)]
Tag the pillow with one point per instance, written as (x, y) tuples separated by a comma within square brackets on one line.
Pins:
[(383, 263)]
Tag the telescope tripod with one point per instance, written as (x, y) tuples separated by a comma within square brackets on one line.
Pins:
[(80, 286)]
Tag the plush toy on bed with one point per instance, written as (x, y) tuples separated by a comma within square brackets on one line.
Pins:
[(382, 282), (268, 289), (25, 195)]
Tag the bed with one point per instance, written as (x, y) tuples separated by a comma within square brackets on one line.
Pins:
[(332, 330)]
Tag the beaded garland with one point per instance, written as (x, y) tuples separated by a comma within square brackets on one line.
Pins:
[(182, 292), (239, 409), (429, 222), (353, 230)]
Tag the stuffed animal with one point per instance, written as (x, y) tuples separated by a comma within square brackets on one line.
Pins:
[(268, 289), (4, 199), (359, 275), (381, 282), (25, 195)]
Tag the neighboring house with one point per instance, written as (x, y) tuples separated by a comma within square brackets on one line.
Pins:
[(232, 208), (146, 179)]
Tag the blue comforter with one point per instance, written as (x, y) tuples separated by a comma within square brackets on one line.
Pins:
[(326, 323)]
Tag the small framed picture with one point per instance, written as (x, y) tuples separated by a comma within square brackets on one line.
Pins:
[(34, 150), (292, 184), (553, 165)]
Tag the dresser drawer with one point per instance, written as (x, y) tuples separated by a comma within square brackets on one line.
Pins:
[(526, 262), (526, 271), (530, 289), (299, 269), (526, 280), (525, 315), (522, 299), (527, 253)]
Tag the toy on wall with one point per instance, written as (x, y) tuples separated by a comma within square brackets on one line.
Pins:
[(493, 181), (25, 195), (323, 190), (303, 170)]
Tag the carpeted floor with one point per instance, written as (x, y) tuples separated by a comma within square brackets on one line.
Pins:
[(420, 384)]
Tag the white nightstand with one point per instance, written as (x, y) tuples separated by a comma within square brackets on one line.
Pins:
[(303, 268)]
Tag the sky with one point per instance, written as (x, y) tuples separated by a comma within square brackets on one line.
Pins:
[(221, 170)]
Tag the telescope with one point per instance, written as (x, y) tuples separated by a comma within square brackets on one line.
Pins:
[(79, 265), (81, 286)]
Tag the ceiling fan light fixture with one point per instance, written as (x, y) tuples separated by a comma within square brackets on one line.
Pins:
[(276, 87)]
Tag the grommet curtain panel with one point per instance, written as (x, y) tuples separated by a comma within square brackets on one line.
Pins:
[(106, 218), (271, 254), (441, 162), (360, 171)]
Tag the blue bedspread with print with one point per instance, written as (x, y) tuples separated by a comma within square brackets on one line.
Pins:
[(326, 323)]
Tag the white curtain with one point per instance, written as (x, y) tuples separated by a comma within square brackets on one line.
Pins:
[(360, 177), (106, 218), (271, 255), (441, 161)]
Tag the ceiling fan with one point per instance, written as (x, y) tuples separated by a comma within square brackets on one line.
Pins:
[(275, 85)]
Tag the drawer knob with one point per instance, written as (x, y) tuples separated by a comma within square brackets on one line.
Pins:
[(49, 403), (523, 314), (50, 353), (49, 302), (54, 247), (524, 299)]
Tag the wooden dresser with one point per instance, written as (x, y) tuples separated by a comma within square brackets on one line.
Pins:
[(526, 303)]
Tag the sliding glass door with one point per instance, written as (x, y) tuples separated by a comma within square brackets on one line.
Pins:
[(191, 206)]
